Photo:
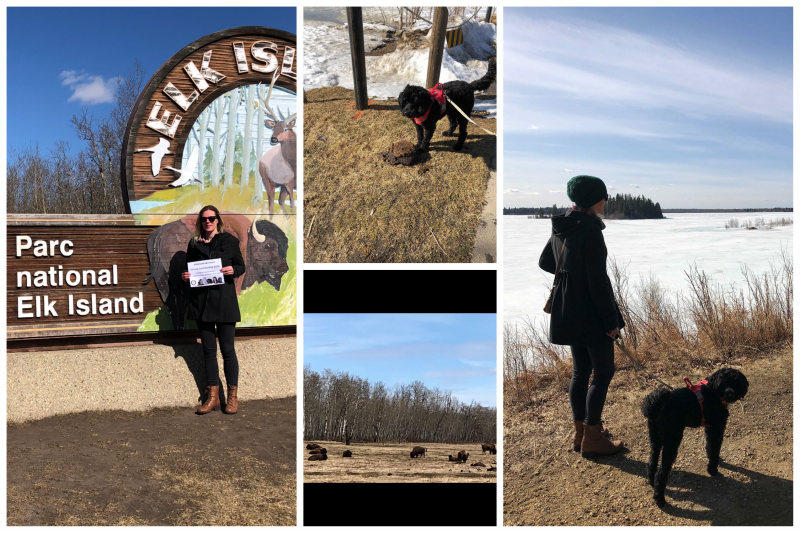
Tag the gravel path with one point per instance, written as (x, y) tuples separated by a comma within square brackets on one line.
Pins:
[(545, 484)]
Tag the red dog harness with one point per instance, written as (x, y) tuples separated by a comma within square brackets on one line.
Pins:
[(437, 93), (697, 392)]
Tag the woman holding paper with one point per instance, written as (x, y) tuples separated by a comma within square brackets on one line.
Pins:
[(215, 308)]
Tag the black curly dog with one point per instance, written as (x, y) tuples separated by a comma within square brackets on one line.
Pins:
[(669, 412), (415, 101)]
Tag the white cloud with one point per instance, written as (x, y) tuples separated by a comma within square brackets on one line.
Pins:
[(88, 89), (636, 186), (567, 170), (511, 191), (621, 67), (556, 191), (532, 193), (652, 189), (534, 127)]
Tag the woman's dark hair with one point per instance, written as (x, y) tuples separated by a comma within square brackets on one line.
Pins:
[(198, 227)]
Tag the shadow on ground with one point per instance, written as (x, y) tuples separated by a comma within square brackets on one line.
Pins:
[(160, 467), (358, 208)]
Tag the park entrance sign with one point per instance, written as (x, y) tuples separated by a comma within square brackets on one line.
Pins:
[(213, 126)]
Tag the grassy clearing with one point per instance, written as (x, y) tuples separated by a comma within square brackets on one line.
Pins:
[(711, 325), (357, 208), (392, 463)]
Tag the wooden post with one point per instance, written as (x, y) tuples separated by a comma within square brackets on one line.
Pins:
[(437, 46), (488, 15), (355, 25)]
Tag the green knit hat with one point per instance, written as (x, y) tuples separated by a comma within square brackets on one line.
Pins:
[(586, 191)]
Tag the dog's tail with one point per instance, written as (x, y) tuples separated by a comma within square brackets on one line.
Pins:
[(487, 80), (654, 403)]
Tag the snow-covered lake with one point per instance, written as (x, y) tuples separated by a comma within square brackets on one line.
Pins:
[(327, 62), (664, 248)]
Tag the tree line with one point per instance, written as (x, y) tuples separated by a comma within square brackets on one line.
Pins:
[(632, 207), (61, 181), (338, 406)]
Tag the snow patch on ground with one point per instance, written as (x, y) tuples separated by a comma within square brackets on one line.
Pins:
[(327, 55)]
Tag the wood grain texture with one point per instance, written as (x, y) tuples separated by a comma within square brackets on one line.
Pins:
[(95, 248), (137, 179)]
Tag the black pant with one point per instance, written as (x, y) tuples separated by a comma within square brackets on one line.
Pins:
[(225, 332), (587, 401)]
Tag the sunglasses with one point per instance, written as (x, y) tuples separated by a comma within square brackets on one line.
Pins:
[(208, 219)]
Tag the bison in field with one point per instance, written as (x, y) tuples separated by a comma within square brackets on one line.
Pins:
[(417, 451), (264, 247), (491, 448), (463, 456), (313, 446), (320, 457), (347, 453), (318, 451)]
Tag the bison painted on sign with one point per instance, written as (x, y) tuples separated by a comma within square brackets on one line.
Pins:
[(263, 244), (490, 448)]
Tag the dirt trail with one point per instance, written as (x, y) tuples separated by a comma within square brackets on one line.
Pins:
[(545, 484), (160, 467), (392, 463)]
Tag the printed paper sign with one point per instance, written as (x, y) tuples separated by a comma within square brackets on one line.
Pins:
[(205, 273)]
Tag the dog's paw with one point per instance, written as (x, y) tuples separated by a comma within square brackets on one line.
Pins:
[(712, 471), (661, 501)]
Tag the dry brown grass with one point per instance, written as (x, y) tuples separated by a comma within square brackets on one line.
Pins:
[(392, 463), (712, 324), (246, 497), (365, 210)]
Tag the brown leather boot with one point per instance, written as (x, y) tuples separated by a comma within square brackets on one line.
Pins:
[(595, 444), (576, 441), (232, 403), (212, 401)]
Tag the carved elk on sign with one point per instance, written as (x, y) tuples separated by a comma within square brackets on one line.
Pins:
[(279, 165)]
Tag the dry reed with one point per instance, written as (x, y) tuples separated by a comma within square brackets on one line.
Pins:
[(710, 323)]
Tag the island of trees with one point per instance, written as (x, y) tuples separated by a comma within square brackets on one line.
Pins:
[(338, 406), (621, 206)]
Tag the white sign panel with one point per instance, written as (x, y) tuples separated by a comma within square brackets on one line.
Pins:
[(206, 273)]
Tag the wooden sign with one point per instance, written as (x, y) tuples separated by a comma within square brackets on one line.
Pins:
[(215, 126), (184, 87), (76, 276)]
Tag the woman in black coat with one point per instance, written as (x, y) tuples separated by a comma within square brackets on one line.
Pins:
[(215, 308), (584, 315)]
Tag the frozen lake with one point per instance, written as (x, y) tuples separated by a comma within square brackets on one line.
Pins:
[(664, 248)]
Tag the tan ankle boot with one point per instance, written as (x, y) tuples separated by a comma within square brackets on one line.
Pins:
[(595, 444), (232, 403), (576, 441), (212, 401)]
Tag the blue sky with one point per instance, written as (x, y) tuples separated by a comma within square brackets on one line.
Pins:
[(691, 107), (456, 352), (60, 59)]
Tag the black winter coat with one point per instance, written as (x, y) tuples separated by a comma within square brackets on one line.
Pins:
[(217, 303), (584, 308)]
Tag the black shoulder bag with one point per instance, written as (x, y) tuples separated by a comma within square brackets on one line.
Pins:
[(548, 306)]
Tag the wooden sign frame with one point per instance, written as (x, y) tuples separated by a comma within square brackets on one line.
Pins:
[(136, 176)]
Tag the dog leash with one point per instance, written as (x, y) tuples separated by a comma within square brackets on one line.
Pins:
[(466, 117), (618, 342)]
